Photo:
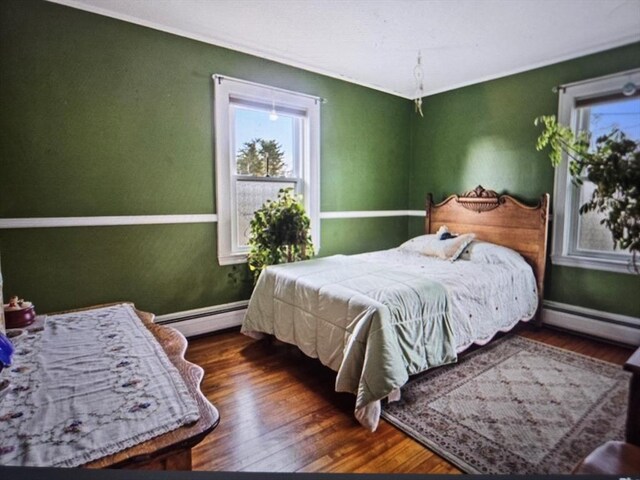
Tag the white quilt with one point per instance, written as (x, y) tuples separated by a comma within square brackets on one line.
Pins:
[(485, 298)]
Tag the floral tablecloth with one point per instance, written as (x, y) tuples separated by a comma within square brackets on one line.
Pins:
[(86, 385)]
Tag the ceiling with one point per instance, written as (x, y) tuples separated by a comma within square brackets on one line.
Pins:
[(375, 43)]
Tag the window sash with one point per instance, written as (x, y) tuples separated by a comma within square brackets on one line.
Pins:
[(299, 126), (237, 244), (305, 109), (582, 123), (263, 105), (574, 103), (576, 225), (236, 218)]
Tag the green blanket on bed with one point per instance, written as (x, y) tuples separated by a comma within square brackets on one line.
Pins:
[(373, 323)]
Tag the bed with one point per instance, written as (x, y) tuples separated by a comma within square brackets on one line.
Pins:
[(380, 317)]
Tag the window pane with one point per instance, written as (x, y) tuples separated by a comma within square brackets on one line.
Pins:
[(623, 115), (602, 118), (264, 146), (250, 195), (591, 234)]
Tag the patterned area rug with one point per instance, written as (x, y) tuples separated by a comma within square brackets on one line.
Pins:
[(515, 406)]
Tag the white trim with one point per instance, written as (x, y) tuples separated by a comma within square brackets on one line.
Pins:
[(598, 79), (626, 329), (227, 88), (232, 258), (372, 213), (55, 222), (177, 316), (211, 40), (272, 89), (417, 213), (100, 221), (593, 263), (610, 326), (205, 320)]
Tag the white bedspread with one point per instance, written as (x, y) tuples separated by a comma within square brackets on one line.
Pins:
[(372, 323), (485, 298)]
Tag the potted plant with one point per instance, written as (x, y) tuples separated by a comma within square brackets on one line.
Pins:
[(613, 166), (280, 233)]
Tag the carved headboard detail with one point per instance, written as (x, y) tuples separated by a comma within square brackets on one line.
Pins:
[(479, 199), (499, 219)]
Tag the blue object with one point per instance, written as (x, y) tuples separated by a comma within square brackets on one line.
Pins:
[(6, 351), (447, 235)]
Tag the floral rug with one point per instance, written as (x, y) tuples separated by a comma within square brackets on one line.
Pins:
[(515, 406)]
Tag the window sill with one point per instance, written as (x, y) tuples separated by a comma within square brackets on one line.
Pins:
[(607, 265), (232, 259)]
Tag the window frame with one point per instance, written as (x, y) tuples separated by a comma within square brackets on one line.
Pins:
[(564, 248), (228, 91)]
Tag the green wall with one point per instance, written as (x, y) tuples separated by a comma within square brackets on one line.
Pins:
[(103, 117), (484, 134)]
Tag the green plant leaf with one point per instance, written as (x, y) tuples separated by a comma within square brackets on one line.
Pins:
[(280, 232), (613, 166)]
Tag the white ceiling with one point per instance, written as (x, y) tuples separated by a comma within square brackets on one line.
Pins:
[(375, 42)]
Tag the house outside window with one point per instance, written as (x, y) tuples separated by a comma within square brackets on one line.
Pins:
[(596, 106), (266, 139)]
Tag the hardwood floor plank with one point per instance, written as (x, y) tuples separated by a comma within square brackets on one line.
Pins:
[(297, 449), (279, 410)]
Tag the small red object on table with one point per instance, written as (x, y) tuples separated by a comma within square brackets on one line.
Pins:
[(18, 313)]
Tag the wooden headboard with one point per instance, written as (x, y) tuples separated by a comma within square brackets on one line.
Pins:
[(499, 219)]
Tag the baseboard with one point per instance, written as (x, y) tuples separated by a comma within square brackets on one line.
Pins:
[(609, 326), (205, 320), (614, 327)]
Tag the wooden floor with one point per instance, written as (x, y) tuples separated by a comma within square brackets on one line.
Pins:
[(279, 412)]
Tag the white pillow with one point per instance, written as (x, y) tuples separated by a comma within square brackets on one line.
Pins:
[(418, 244), (449, 249), (486, 252), (431, 245)]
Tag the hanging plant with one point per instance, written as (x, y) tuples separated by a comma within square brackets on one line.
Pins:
[(280, 233), (613, 166)]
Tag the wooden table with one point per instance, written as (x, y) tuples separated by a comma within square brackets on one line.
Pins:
[(172, 450)]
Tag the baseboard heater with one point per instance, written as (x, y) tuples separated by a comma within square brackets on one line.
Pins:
[(609, 326), (614, 327), (205, 320)]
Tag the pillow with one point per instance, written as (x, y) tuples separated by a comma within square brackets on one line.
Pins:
[(485, 252), (418, 244), (449, 249)]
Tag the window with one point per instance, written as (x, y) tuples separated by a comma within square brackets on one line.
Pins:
[(266, 139), (596, 106)]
